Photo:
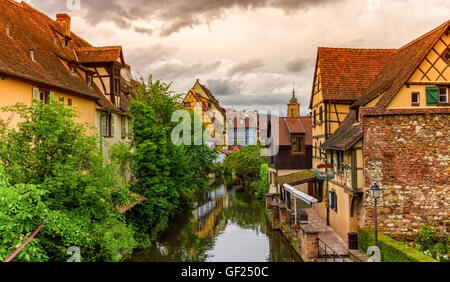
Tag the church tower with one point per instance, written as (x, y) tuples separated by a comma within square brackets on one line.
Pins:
[(293, 106)]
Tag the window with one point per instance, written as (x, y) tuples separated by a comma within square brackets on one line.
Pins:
[(314, 117), (317, 191), (41, 95), (415, 99), (61, 99), (332, 200), (69, 102), (297, 145), (187, 104), (321, 114), (107, 125), (443, 95), (124, 126)]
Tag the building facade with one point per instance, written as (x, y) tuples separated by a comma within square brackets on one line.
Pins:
[(42, 57), (382, 116), (201, 101), (295, 147)]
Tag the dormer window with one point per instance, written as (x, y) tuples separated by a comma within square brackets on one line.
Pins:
[(297, 145)]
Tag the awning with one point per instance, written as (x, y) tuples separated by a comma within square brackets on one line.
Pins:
[(300, 195), (301, 177)]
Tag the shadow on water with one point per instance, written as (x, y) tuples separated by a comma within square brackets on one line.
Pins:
[(226, 224)]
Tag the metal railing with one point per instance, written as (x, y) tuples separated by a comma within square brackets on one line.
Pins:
[(327, 254)]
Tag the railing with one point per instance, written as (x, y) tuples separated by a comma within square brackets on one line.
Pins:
[(327, 254)]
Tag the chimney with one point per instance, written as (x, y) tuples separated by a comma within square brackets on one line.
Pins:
[(64, 21)]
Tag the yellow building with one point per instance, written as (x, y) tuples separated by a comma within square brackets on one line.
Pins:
[(42, 57), (341, 77), (361, 100), (201, 101)]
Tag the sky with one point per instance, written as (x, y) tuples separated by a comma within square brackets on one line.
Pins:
[(250, 53)]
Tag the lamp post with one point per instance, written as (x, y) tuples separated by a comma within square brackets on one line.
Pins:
[(376, 193)]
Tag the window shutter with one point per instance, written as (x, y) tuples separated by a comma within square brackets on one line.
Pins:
[(112, 125), (432, 96), (103, 125), (36, 94)]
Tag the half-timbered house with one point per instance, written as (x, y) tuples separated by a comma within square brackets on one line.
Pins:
[(42, 57), (201, 101), (383, 116)]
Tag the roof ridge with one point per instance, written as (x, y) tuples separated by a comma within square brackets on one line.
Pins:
[(350, 48), (425, 35)]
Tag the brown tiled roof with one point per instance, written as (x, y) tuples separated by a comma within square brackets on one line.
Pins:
[(303, 123), (401, 66), (99, 54), (30, 29), (345, 74), (347, 135), (211, 96)]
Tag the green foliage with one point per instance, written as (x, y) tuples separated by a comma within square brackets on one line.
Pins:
[(261, 186), (391, 250), (77, 190), (429, 243), (167, 174), (246, 163)]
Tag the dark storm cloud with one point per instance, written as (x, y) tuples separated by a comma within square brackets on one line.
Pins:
[(175, 14), (247, 67), (297, 64), (141, 57), (171, 70), (224, 87)]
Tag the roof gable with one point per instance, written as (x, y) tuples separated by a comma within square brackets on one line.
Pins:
[(31, 29), (401, 67)]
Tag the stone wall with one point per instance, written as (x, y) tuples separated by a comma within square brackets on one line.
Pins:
[(409, 155)]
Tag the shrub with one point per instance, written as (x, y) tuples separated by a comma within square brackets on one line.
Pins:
[(429, 243), (391, 250)]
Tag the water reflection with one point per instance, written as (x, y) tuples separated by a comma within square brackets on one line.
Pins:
[(225, 225)]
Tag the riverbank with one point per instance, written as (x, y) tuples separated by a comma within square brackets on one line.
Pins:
[(225, 224)]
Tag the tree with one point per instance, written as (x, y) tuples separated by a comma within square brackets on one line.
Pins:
[(246, 163), (165, 173), (79, 191)]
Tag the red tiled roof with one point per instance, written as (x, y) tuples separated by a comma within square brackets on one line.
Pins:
[(347, 135), (99, 54), (345, 73), (301, 125), (30, 29), (401, 66)]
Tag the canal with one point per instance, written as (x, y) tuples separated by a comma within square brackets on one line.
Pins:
[(225, 225)]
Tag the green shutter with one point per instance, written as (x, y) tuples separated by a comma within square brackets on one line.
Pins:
[(103, 125), (432, 96)]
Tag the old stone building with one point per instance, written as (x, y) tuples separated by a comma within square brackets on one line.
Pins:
[(383, 116)]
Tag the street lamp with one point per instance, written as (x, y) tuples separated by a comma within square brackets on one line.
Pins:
[(376, 194)]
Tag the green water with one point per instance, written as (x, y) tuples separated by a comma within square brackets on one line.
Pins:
[(226, 225)]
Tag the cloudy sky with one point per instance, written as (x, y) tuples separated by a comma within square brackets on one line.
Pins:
[(248, 52)]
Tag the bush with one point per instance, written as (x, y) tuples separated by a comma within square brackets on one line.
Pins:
[(66, 179), (261, 186), (391, 250), (429, 243)]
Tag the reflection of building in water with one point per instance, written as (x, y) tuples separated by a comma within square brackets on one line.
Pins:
[(208, 216)]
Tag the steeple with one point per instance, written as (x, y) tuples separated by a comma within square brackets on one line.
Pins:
[(294, 105)]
